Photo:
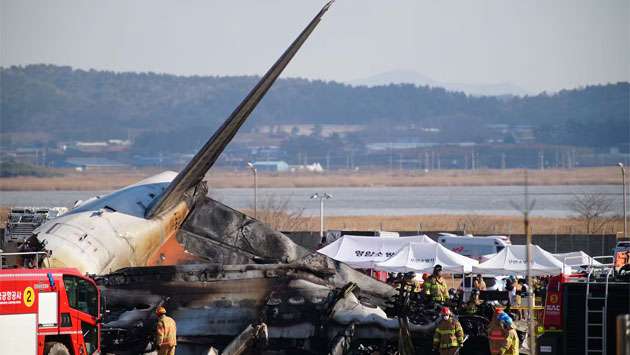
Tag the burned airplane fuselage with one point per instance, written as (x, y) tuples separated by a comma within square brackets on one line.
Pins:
[(242, 272)]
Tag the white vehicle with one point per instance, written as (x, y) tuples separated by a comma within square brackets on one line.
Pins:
[(478, 248), (493, 283)]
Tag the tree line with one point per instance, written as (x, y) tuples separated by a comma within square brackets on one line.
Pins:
[(69, 103)]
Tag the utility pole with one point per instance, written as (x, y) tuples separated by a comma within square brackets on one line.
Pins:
[(530, 280), (526, 209), (625, 201)]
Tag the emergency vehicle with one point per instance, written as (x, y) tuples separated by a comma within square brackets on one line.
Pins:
[(49, 312), (479, 248), (581, 309)]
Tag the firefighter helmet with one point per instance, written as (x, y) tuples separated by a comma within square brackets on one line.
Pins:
[(505, 319)]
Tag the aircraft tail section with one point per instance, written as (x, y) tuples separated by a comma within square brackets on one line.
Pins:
[(196, 169)]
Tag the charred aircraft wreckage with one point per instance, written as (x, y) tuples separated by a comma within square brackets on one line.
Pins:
[(230, 281)]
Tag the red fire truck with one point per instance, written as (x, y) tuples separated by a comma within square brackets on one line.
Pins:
[(581, 310), (49, 312)]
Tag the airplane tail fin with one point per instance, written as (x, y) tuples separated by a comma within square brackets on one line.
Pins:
[(196, 169)]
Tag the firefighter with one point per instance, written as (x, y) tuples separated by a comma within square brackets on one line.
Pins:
[(473, 303), (510, 345), (166, 334), (435, 287), (449, 335), (425, 278), (498, 333), (479, 284)]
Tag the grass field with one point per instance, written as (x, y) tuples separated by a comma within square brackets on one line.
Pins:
[(109, 180), (475, 224)]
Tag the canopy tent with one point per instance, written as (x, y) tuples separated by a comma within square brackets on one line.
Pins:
[(513, 260), (364, 252), (422, 257), (577, 258)]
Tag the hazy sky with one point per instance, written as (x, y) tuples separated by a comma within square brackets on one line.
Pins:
[(538, 45)]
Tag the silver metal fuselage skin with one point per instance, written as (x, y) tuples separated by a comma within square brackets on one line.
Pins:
[(109, 232)]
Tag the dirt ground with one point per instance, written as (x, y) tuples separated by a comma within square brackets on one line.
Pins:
[(109, 180)]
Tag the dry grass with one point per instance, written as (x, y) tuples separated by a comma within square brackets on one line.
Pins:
[(4, 212), (109, 180), (73, 180), (475, 224)]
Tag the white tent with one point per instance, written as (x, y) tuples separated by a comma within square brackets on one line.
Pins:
[(577, 258), (513, 260), (364, 252), (422, 257)]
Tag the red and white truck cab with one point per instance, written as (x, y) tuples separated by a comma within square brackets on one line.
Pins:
[(49, 312)]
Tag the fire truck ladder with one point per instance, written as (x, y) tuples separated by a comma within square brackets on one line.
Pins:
[(596, 307)]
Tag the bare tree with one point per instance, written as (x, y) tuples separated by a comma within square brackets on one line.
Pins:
[(593, 210), (278, 214), (475, 224)]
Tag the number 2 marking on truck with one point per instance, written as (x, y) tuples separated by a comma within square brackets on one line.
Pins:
[(29, 296)]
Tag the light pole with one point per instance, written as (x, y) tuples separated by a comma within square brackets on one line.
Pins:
[(255, 172), (321, 196), (625, 201)]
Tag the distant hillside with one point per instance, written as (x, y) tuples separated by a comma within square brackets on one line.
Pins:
[(412, 77), (78, 104)]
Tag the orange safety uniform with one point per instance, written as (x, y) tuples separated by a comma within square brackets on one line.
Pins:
[(448, 336), (496, 337), (166, 335)]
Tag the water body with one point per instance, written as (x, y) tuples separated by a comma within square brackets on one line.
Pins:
[(550, 201)]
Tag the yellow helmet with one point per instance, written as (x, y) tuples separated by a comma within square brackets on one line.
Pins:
[(160, 310)]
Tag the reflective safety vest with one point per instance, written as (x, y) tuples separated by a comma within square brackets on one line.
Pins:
[(471, 307), (448, 334), (418, 287), (497, 337), (511, 344), (166, 331), (437, 289)]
